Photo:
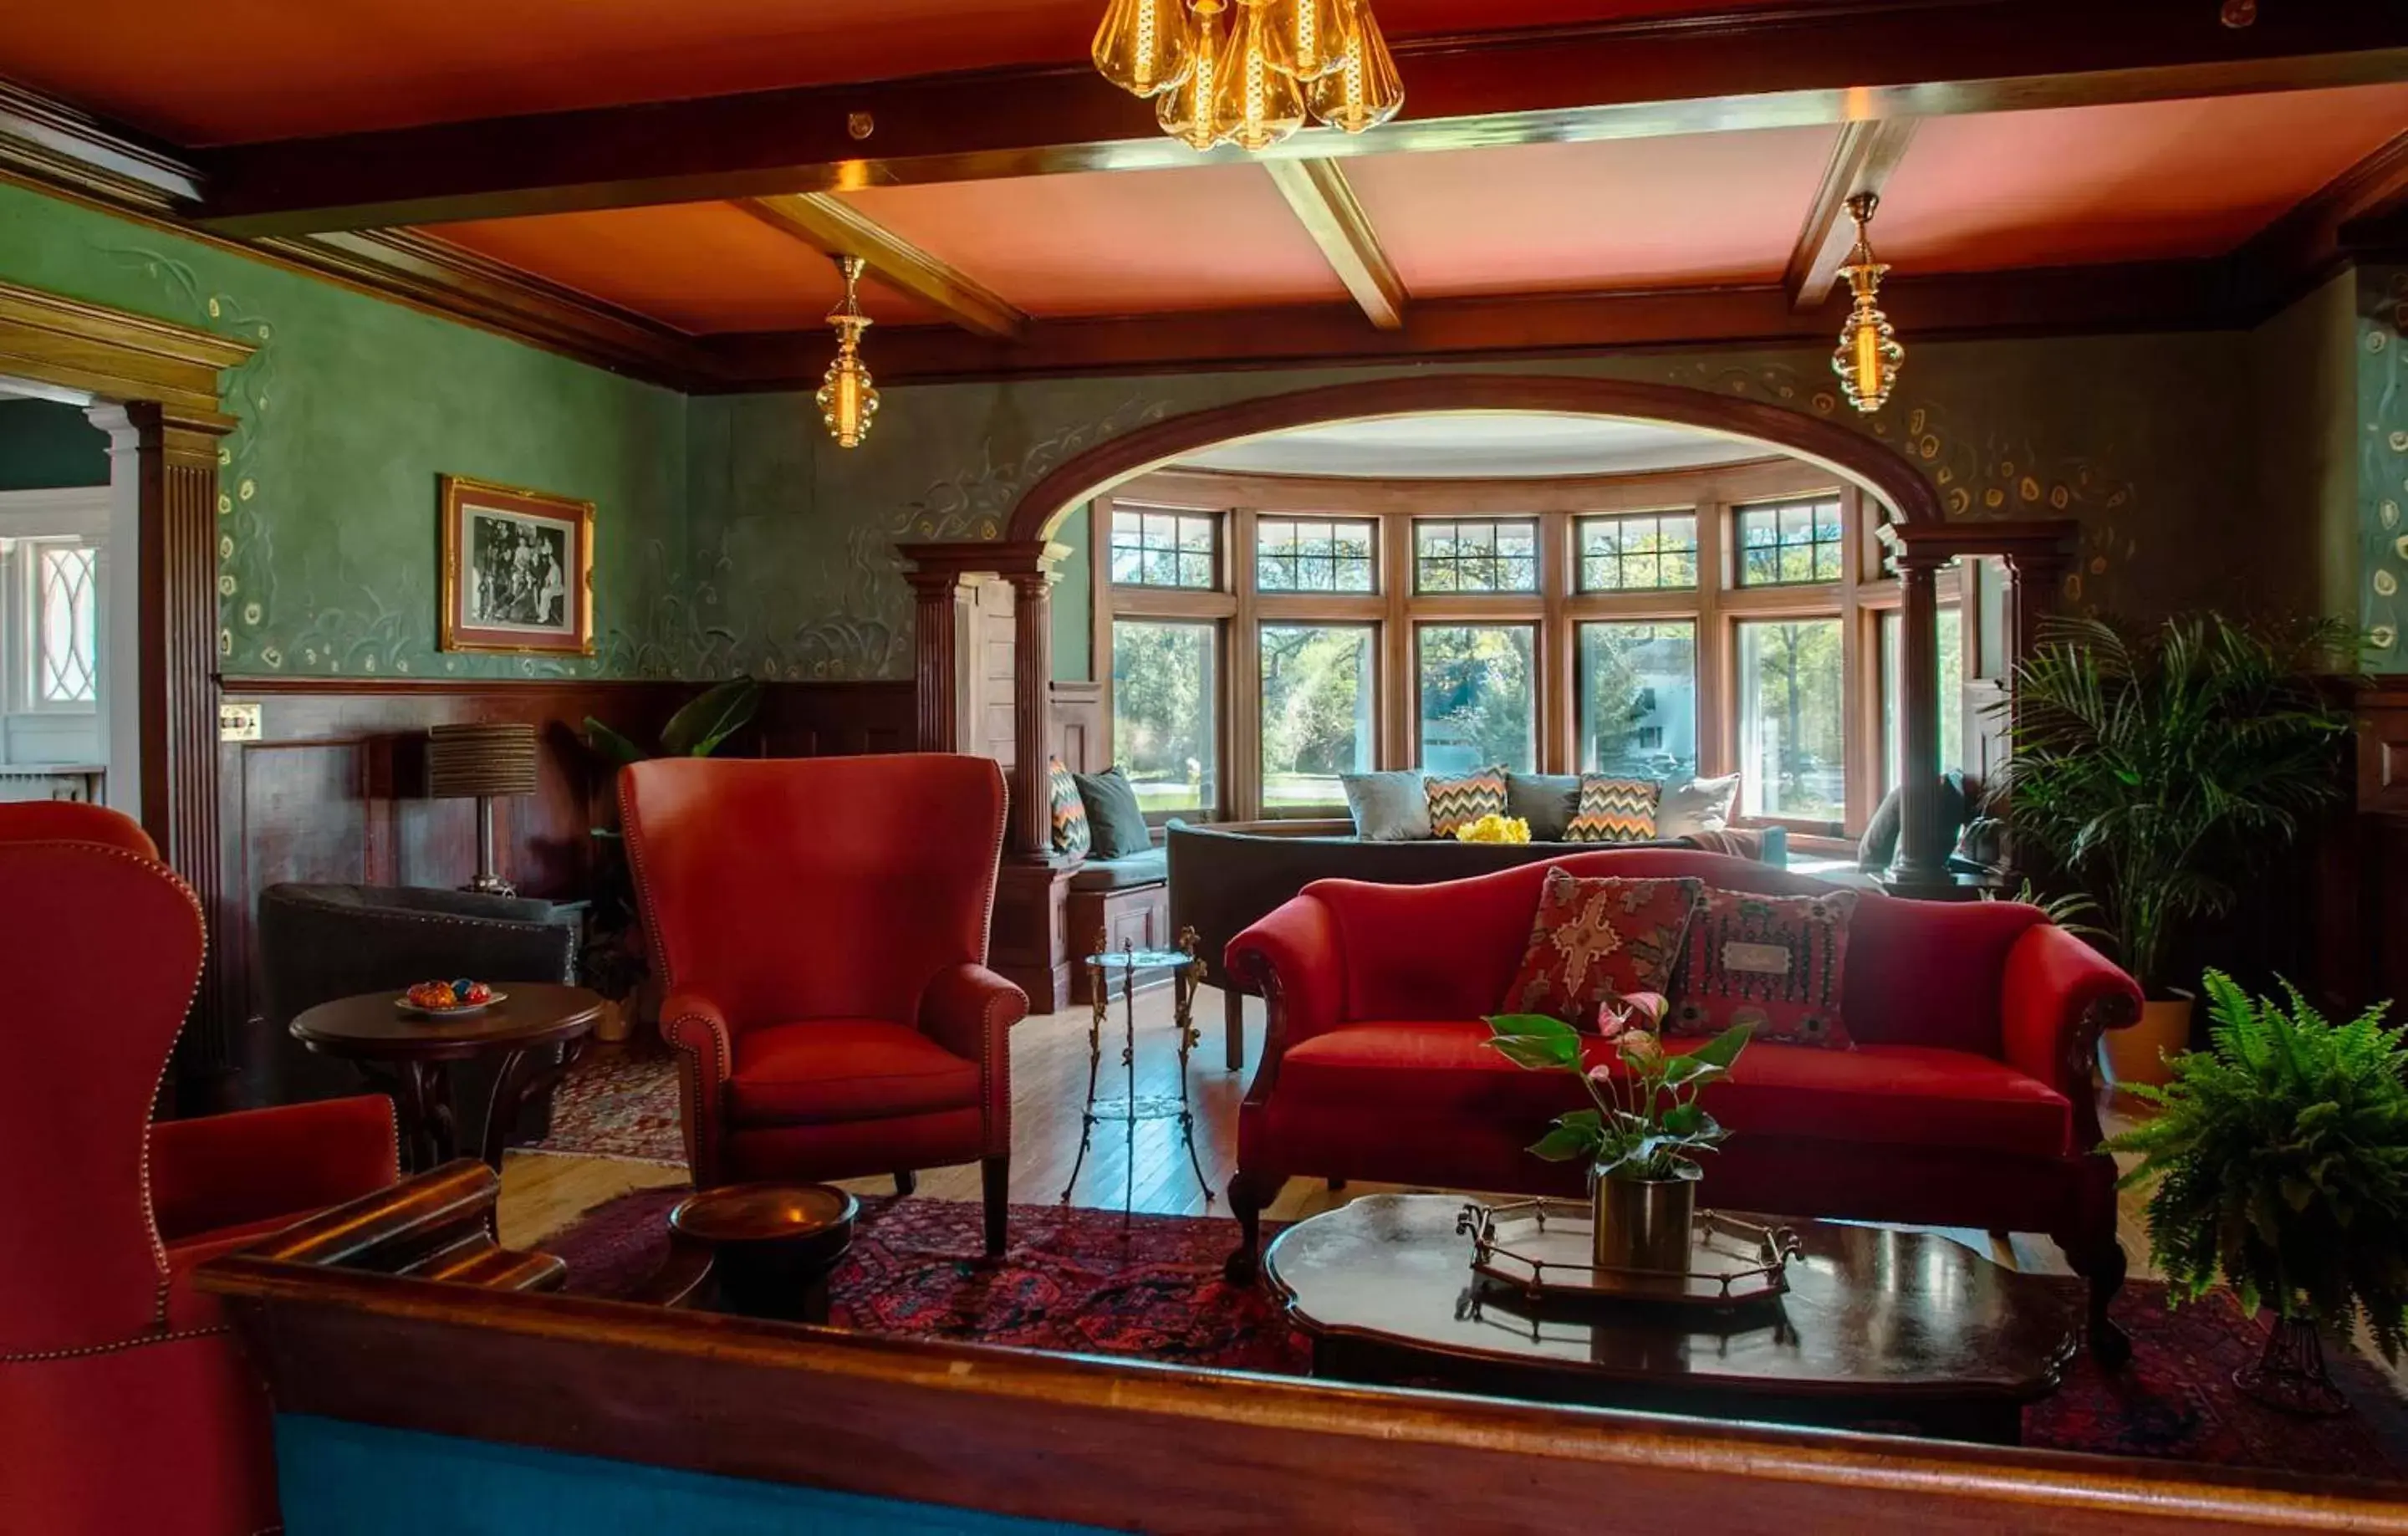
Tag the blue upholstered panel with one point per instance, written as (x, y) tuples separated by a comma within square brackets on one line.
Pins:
[(341, 1479)]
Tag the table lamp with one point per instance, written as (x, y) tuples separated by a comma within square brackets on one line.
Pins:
[(485, 761)]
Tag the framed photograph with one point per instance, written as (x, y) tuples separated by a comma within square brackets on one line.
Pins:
[(518, 570)]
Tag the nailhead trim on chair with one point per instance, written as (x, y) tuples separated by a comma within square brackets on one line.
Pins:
[(140, 1342)]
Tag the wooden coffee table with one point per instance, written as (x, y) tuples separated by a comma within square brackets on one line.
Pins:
[(408, 1057), (1883, 1331)]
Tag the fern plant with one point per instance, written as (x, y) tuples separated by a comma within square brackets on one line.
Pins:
[(2154, 769), (2282, 1159)]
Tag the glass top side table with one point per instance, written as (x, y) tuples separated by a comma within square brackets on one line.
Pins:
[(1124, 965)]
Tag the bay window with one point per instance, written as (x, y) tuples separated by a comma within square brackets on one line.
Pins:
[(1317, 712), (1478, 706), (1165, 712)]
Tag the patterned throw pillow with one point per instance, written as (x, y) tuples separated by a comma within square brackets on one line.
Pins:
[(1071, 835), (1599, 938), (1614, 810), (1459, 802), (1777, 962)]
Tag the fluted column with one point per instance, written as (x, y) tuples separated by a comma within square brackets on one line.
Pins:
[(1921, 861), (170, 457), (1032, 674), (936, 648)]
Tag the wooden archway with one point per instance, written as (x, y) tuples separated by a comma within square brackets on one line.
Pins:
[(1881, 469)]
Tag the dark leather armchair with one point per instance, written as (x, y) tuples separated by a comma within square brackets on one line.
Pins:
[(320, 943)]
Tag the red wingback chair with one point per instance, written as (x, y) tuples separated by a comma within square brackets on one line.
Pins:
[(1966, 1102), (821, 926), (124, 1404)]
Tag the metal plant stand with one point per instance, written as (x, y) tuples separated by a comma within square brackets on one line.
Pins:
[(1186, 969)]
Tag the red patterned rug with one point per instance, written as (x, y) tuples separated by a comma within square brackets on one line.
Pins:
[(1075, 1280), (618, 1103)]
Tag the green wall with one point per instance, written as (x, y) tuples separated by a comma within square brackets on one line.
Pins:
[(349, 410), (2380, 437), (2303, 376), (1074, 599), (45, 446), (2146, 439)]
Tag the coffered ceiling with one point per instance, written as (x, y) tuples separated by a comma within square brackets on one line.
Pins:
[(662, 187)]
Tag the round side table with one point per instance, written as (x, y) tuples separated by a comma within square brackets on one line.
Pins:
[(768, 1247), (408, 1057)]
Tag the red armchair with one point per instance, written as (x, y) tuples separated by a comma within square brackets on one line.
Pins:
[(124, 1404), (821, 927), (1967, 1102)]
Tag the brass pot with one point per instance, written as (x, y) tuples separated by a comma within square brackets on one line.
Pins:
[(1644, 1224)]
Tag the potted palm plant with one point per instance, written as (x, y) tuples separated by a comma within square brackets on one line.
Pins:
[(2155, 769), (1645, 1130), (2280, 1157)]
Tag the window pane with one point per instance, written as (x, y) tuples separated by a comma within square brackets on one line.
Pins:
[(1487, 555), (66, 662), (1791, 735), (1951, 693), (1476, 697), (1165, 549), (1638, 699), (1164, 694), (1791, 543), (1317, 697), (1312, 554)]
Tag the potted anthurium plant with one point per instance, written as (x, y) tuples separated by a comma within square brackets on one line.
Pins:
[(2280, 1160), (1643, 1130)]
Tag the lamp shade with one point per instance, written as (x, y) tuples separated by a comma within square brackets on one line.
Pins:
[(485, 759)]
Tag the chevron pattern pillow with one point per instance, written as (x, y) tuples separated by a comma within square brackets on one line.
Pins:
[(1459, 802), (1071, 834), (1614, 810)]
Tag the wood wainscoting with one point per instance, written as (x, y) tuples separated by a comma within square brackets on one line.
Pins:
[(332, 790)]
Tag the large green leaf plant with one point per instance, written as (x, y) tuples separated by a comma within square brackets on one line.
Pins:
[(1644, 1121), (2281, 1160)]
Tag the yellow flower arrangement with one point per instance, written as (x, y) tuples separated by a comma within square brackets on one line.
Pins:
[(1494, 829)]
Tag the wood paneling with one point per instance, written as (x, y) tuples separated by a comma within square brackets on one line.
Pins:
[(1081, 727), (334, 789)]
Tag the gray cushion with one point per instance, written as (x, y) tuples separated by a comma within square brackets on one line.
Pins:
[(1545, 800), (1702, 805), (1151, 867), (1391, 807), (1113, 814)]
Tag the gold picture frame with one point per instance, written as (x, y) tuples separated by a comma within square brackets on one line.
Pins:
[(518, 570)]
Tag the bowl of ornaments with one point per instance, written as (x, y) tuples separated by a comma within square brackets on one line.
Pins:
[(448, 999)]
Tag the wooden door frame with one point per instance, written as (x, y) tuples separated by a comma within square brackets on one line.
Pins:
[(153, 387)]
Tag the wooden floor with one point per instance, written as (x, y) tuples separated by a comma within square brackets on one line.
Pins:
[(1149, 1169)]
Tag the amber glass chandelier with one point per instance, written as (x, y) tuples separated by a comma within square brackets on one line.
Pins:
[(847, 400), (1868, 355), (1251, 72)]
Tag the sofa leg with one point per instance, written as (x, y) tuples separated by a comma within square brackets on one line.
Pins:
[(2103, 1264), (1233, 1022), (1248, 1194), (907, 1183), (994, 1174)]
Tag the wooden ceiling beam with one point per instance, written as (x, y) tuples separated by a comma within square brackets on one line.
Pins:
[(1784, 64), (830, 225), (1862, 160), (2153, 296), (2346, 215), (1326, 205)]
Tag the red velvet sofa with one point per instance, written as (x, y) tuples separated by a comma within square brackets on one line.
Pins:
[(1967, 1102)]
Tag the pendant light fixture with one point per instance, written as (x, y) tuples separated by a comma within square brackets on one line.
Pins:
[(848, 402), (1869, 355), (1251, 72)]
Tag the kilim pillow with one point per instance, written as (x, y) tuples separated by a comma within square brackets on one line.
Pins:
[(1600, 938), (1459, 802), (1614, 810), (1775, 962), (1071, 835)]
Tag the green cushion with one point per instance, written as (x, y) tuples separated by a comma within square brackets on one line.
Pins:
[(1113, 814)]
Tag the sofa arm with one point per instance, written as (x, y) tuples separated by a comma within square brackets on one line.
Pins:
[(695, 1028), (969, 1010), (2057, 995), (1294, 958), (295, 1160)]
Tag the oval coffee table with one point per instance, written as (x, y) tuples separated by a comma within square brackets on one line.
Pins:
[(1881, 1329), (408, 1057)]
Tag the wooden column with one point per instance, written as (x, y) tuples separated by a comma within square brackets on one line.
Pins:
[(2035, 572), (936, 650), (1922, 862), (170, 454), (1031, 831)]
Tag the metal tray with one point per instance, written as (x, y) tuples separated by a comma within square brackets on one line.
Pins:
[(1541, 1249)]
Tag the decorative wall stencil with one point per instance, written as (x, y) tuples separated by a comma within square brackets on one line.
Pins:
[(2383, 459), (976, 503)]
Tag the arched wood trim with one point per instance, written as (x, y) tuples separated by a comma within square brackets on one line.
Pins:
[(1879, 468)]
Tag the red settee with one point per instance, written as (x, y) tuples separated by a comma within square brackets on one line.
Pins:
[(1967, 1102)]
